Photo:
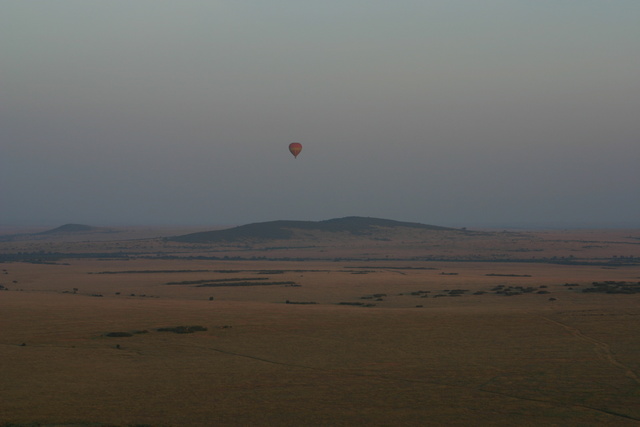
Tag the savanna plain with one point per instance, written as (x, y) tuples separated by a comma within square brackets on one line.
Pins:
[(391, 327)]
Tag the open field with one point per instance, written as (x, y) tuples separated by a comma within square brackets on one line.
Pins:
[(341, 332)]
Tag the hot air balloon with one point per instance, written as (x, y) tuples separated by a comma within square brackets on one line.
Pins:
[(295, 148)]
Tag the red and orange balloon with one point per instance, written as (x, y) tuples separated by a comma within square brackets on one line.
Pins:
[(295, 148)]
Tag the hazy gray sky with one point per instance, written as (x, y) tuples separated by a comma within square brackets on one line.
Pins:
[(446, 112)]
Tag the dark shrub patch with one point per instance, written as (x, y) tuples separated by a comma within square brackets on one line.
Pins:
[(182, 329), (228, 282), (118, 334)]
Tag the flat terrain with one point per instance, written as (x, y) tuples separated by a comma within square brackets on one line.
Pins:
[(500, 329)]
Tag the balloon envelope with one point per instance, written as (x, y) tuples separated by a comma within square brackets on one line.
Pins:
[(295, 148)]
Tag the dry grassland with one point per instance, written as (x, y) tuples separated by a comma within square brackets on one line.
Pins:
[(550, 354)]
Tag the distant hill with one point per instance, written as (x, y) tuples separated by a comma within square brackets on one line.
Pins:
[(67, 232), (75, 228), (282, 230)]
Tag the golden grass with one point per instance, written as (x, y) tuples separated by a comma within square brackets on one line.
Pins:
[(470, 360)]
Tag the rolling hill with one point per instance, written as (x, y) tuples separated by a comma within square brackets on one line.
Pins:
[(283, 230)]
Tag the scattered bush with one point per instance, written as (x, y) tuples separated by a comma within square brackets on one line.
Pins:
[(360, 304), (613, 287)]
